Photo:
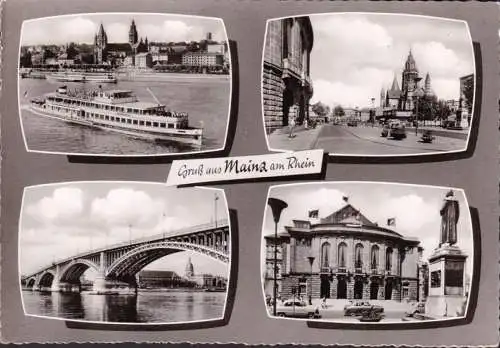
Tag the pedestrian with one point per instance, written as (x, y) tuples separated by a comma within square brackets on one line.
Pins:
[(292, 126), (323, 303), (305, 123)]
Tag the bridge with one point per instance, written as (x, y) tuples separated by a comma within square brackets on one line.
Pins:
[(117, 265)]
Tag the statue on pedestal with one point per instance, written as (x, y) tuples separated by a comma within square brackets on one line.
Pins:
[(450, 213)]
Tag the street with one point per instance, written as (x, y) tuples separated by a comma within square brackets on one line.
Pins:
[(367, 140), (394, 311)]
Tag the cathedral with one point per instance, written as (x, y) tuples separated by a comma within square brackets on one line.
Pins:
[(403, 99), (105, 52)]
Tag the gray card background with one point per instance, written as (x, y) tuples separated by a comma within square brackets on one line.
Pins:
[(245, 22)]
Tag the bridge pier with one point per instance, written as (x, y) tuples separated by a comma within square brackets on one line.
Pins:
[(103, 286)]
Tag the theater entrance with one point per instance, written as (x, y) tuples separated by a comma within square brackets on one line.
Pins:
[(341, 289)]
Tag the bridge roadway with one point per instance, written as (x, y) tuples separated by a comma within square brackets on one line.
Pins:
[(117, 265)]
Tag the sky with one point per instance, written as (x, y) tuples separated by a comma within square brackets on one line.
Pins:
[(156, 27), (354, 55), (59, 221), (415, 208)]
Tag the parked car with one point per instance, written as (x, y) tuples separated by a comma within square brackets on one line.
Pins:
[(397, 131), (416, 308), (385, 131), (297, 309), (361, 307), (427, 136), (352, 123)]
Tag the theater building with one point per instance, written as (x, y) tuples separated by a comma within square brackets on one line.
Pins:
[(286, 84), (344, 256)]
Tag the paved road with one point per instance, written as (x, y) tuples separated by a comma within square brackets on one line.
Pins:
[(344, 140)]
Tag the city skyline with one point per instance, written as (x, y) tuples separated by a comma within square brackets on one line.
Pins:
[(99, 214), (82, 28), (378, 202), (356, 54)]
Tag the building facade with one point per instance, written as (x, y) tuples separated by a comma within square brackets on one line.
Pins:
[(344, 256), (202, 59), (286, 83)]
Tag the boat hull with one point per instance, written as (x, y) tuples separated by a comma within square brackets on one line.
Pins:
[(195, 140)]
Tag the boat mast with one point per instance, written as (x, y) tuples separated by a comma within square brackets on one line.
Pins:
[(152, 94)]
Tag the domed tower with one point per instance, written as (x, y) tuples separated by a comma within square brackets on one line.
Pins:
[(410, 73), (100, 45), (189, 272)]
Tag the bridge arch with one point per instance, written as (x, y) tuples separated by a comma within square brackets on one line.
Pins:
[(72, 272), (136, 259), (46, 279), (30, 283)]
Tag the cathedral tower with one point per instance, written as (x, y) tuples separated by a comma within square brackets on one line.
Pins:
[(100, 46), (133, 37), (189, 272), (410, 73)]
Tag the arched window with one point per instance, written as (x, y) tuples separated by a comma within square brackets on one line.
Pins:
[(358, 261), (388, 259), (374, 257), (342, 255), (325, 255)]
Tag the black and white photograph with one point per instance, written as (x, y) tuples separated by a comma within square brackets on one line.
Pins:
[(124, 252), (368, 84), (124, 84), (365, 252)]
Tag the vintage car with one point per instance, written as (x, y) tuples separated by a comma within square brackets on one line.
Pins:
[(385, 131), (360, 308), (397, 131), (352, 123), (427, 137), (295, 308), (371, 316)]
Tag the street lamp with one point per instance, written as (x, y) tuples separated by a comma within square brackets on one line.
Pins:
[(372, 114), (311, 261), (277, 206), (417, 80)]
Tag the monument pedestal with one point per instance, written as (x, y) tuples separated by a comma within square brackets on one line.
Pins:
[(446, 292)]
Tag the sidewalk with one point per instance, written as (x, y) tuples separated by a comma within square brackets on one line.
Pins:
[(302, 138)]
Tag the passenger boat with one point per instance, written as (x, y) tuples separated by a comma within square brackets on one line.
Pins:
[(118, 111), (83, 77)]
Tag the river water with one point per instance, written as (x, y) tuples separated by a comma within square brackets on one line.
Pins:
[(204, 98), (145, 307)]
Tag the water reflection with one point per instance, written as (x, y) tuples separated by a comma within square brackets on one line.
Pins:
[(145, 307)]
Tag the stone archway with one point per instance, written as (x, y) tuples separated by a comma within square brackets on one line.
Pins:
[(358, 289), (342, 288), (388, 290), (374, 289), (325, 287)]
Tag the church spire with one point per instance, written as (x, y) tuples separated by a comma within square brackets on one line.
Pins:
[(410, 64), (428, 88), (395, 85)]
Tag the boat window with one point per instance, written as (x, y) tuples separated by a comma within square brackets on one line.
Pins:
[(129, 121), (135, 122), (107, 118), (170, 125), (112, 118), (141, 123), (148, 123), (162, 125), (155, 124)]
